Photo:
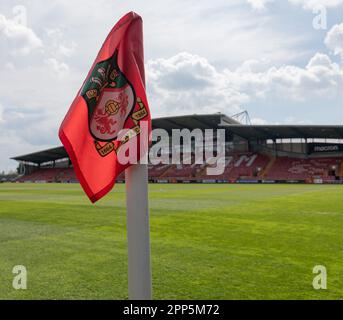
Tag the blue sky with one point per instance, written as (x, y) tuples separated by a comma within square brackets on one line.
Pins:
[(263, 56)]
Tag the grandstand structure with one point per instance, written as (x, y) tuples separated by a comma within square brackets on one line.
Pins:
[(254, 154)]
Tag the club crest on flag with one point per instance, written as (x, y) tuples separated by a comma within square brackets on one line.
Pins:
[(110, 100)]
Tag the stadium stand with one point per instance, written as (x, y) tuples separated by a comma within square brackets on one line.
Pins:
[(285, 168), (65, 175), (254, 153), (50, 175), (240, 167)]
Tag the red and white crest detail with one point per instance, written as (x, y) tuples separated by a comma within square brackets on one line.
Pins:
[(111, 112)]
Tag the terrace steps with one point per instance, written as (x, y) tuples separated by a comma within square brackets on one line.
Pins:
[(264, 173), (340, 170)]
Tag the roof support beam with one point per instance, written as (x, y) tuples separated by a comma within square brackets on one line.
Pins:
[(299, 132)]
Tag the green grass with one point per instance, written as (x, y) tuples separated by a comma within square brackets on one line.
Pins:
[(207, 241)]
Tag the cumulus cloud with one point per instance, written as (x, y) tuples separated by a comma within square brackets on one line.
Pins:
[(58, 46), (259, 4), (19, 39), (334, 39), (187, 83), (59, 68), (321, 77)]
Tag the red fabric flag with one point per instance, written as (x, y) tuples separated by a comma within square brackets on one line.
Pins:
[(111, 98)]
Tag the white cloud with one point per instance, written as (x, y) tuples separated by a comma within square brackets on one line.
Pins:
[(320, 78), (254, 65), (312, 4), (186, 84), (66, 51), (320, 59), (20, 40), (259, 4), (334, 39), (58, 45), (60, 68)]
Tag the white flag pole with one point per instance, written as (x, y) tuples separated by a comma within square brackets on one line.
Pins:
[(137, 207), (138, 232)]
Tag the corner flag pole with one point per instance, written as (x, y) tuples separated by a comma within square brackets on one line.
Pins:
[(138, 232), (138, 229)]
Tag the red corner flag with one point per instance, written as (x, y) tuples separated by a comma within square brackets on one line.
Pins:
[(112, 98)]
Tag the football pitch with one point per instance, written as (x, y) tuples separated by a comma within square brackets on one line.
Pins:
[(207, 241)]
